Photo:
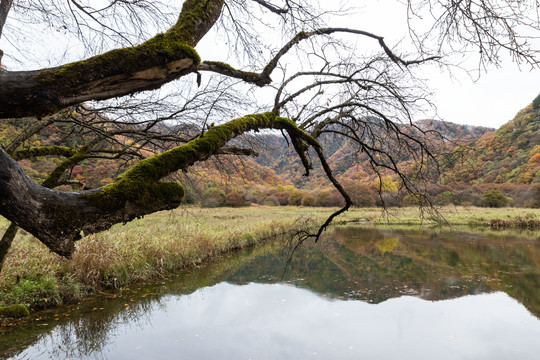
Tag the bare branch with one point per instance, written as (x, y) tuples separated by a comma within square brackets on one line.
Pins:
[(272, 8), (263, 78)]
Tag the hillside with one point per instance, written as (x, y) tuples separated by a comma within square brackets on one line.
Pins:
[(508, 154), (348, 162)]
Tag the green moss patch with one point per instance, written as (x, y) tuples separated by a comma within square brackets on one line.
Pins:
[(176, 44), (33, 152), (14, 311), (194, 14)]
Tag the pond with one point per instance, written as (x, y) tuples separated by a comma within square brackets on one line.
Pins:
[(360, 293)]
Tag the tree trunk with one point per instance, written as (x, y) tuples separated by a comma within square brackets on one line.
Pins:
[(6, 241), (5, 6)]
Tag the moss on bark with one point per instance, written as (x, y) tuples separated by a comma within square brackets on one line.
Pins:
[(195, 19), (158, 51), (52, 180), (44, 151)]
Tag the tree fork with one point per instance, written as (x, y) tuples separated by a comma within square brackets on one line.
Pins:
[(50, 182)]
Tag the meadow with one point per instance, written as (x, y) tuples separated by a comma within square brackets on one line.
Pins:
[(161, 244)]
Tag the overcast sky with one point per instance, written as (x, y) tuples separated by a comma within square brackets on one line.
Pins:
[(491, 101)]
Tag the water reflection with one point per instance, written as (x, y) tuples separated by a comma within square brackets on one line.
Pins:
[(202, 314)]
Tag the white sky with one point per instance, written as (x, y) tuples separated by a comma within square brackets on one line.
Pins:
[(492, 100)]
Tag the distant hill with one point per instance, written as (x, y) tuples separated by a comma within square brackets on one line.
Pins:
[(508, 154), (345, 158), (468, 155)]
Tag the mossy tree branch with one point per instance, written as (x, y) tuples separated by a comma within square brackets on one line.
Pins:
[(118, 72), (57, 218), (33, 152)]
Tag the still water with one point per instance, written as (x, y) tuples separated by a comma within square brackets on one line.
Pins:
[(361, 293)]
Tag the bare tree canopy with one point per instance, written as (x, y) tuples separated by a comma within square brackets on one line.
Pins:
[(334, 87)]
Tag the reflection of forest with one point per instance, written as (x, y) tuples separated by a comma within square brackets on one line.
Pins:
[(378, 264), (368, 264), (375, 264)]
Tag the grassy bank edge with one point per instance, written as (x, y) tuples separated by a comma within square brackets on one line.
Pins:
[(160, 244)]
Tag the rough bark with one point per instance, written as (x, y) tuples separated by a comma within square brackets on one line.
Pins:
[(52, 181), (119, 72), (5, 242), (59, 218), (5, 6)]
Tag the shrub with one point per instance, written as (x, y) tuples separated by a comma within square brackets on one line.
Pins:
[(295, 198), (234, 199), (494, 198), (282, 197), (534, 193), (308, 200), (271, 201), (254, 197), (321, 198), (190, 196), (365, 197), (385, 184), (535, 159), (361, 195), (391, 199), (40, 292), (467, 198), (444, 198), (410, 200), (335, 199), (213, 197)]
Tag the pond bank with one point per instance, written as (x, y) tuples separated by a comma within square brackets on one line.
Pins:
[(161, 244)]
